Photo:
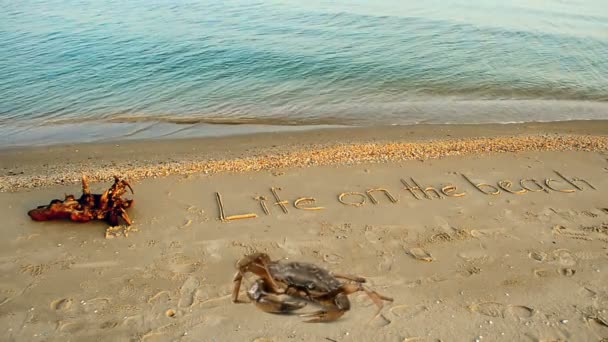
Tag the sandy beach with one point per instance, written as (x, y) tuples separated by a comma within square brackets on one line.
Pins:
[(478, 232)]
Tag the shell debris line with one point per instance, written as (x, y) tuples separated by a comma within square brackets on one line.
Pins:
[(337, 154)]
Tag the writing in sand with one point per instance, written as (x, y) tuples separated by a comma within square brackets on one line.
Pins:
[(415, 190)]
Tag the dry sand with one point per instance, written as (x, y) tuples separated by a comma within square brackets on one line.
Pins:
[(505, 267)]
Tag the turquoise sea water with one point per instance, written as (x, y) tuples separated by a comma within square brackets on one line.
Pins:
[(85, 70)]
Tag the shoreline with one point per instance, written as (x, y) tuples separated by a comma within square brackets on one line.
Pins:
[(33, 167), (333, 132), (39, 131)]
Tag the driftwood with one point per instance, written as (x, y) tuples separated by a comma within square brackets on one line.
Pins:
[(109, 206)]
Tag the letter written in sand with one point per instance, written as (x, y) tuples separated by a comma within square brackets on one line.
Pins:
[(549, 182), (374, 200), (301, 203), (355, 203), (262, 201), (279, 202), (481, 186), (429, 192), (506, 186), (449, 189), (411, 188), (537, 186), (575, 180), (225, 218)]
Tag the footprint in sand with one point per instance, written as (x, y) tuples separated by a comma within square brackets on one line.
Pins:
[(491, 309), (420, 254), (35, 270), (386, 264), (332, 258), (587, 255), (567, 272), (494, 309), (564, 257), (71, 327), (589, 213), (62, 304), (108, 325), (521, 311), (468, 269), (161, 296), (572, 234), (543, 273), (95, 305), (185, 268), (474, 255), (538, 256), (408, 311), (187, 292), (181, 264)]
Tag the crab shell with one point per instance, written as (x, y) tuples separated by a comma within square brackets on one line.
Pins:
[(314, 281), (310, 282)]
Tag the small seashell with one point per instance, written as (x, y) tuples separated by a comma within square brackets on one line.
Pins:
[(170, 313)]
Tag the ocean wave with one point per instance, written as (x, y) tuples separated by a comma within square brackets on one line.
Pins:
[(302, 63), (437, 111)]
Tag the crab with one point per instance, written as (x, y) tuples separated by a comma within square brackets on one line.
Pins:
[(284, 287), (109, 206)]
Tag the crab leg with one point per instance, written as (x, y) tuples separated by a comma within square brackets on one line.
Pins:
[(260, 270), (377, 299), (350, 277), (373, 295), (236, 281)]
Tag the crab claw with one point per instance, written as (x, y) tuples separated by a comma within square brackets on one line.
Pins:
[(323, 316), (270, 302)]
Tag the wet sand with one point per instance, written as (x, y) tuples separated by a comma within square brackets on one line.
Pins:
[(460, 262)]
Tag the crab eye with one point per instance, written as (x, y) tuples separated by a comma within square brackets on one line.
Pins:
[(310, 286)]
